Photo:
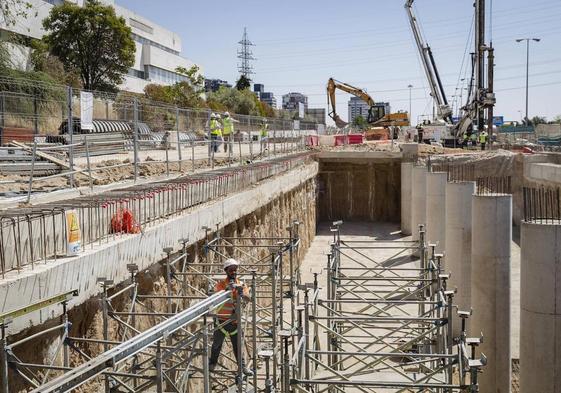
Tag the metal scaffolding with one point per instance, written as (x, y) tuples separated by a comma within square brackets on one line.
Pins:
[(388, 323), (381, 322), (160, 342)]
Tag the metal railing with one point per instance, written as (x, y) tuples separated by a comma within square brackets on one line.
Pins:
[(36, 234), (145, 347), (170, 134)]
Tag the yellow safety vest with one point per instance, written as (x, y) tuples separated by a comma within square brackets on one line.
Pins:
[(228, 126), (265, 130), (215, 127), (482, 138)]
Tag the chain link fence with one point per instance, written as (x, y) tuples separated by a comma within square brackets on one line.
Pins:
[(132, 137)]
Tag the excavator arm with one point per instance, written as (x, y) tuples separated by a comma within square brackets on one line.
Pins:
[(332, 86)]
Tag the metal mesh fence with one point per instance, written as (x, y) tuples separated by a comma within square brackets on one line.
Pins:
[(34, 118)]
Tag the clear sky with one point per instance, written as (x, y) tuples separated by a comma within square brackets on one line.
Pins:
[(368, 43)]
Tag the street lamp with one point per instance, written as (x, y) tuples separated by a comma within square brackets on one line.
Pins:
[(526, 120), (410, 116)]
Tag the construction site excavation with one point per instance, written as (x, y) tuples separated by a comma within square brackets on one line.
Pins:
[(165, 232)]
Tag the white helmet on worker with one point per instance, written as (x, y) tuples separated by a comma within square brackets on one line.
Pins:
[(213, 116), (226, 114), (230, 262)]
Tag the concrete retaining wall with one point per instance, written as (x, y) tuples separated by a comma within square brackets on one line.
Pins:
[(110, 260)]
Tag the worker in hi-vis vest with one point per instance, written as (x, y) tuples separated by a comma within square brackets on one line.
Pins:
[(226, 318), (215, 132), (228, 132), (264, 135), (483, 139)]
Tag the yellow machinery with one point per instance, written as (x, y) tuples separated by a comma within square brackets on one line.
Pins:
[(376, 114)]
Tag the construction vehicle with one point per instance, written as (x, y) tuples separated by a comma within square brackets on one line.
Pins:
[(481, 98), (380, 122)]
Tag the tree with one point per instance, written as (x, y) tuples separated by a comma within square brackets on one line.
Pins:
[(538, 120), (92, 40), (185, 94), (242, 102), (360, 122), (45, 62), (243, 83)]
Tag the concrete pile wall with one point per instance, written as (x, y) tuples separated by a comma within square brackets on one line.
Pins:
[(270, 219)]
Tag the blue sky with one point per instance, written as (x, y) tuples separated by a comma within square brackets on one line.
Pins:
[(368, 43)]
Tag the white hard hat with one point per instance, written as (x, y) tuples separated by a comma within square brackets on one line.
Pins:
[(227, 114), (230, 262), (213, 116), (218, 116)]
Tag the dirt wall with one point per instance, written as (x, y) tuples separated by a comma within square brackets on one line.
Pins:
[(359, 191)]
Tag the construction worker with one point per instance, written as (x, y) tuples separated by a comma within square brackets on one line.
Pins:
[(474, 139), (215, 132), (483, 139), (465, 141), (226, 318), (228, 132), (264, 135)]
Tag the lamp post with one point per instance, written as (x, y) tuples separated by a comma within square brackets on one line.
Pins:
[(410, 116), (526, 120)]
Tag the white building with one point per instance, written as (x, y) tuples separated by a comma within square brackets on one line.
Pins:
[(157, 49)]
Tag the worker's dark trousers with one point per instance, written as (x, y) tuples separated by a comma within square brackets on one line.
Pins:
[(218, 339), (483, 146)]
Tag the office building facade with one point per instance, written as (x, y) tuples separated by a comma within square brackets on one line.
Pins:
[(290, 101), (157, 53)]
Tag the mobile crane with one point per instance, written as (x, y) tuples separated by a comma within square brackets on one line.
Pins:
[(377, 116), (482, 98)]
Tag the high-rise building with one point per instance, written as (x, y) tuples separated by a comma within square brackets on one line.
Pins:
[(318, 114), (268, 98), (358, 107), (215, 84), (265, 96), (290, 101), (157, 49)]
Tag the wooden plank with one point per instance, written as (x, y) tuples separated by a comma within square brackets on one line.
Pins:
[(51, 158)]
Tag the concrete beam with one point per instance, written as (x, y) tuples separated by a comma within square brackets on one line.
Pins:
[(110, 259), (490, 286)]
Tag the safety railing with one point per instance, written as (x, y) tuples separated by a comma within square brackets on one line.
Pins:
[(38, 234)]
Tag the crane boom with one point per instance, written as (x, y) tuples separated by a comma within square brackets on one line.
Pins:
[(437, 89)]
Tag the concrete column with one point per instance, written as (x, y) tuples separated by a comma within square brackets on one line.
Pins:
[(409, 151), (490, 286), (406, 173), (418, 199), (457, 254), (436, 209), (540, 303)]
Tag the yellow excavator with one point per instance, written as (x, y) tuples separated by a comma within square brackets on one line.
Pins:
[(377, 116)]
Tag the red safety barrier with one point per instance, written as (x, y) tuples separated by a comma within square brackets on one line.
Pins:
[(312, 140), (350, 139)]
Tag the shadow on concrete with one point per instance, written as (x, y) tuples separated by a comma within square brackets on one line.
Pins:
[(375, 230)]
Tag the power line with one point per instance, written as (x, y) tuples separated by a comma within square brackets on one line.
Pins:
[(246, 55)]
